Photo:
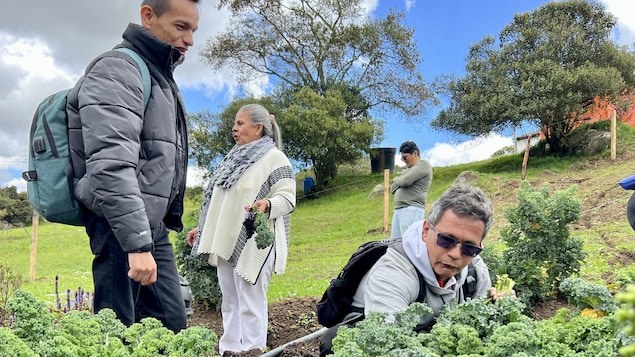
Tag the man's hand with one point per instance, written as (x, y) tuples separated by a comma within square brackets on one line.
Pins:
[(495, 295), (504, 285), (143, 268), (191, 236)]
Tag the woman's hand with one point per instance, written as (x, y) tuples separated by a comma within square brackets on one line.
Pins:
[(261, 205), (191, 236)]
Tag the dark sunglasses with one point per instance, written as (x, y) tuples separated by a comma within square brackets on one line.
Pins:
[(447, 242)]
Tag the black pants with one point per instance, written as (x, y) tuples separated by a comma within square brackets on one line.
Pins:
[(131, 301)]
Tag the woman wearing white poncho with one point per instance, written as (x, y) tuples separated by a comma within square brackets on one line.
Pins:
[(255, 173)]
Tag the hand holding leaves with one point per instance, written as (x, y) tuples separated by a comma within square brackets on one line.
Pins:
[(256, 222)]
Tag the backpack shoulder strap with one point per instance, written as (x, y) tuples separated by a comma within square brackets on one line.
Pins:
[(469, 287), (397, 245), (145, 73)]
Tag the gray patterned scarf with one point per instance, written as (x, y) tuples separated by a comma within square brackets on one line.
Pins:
[(239, 159)]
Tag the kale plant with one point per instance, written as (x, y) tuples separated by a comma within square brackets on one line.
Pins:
[(540, 251), (202, 277), (586, 295)]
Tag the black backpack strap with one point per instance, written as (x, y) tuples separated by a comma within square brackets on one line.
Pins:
[(469, 287)]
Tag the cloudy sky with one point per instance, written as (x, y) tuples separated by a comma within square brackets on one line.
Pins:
[(45, 45)]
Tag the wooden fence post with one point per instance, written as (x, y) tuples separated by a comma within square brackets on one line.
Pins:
[(386, 199), (35, 221), (525, 159), (613, 135)]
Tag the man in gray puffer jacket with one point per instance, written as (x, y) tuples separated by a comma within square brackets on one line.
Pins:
[(131, 163)]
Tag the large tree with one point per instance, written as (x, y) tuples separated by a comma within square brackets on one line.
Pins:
[(319, 45), (548, 66), (319, 131), (14, 207)]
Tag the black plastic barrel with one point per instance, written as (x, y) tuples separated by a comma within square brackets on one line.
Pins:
[(382, 159)]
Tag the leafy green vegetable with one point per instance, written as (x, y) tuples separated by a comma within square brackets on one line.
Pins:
[(256, 222), (583, 294), (483, 316), (264, 235), (626, 315), (504, 284), (513, 338), (12, 346), (455, 339), (32, 320), (374, 337), (580, 334), (35, 332)]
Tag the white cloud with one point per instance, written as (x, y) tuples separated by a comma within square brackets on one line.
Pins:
[(625, 13), (409, 4), (19, 183), (41, 54), (370, 5), (445, 154)]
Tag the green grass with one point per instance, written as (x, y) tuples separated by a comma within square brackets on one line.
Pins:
[(326, 231), (61, 250)]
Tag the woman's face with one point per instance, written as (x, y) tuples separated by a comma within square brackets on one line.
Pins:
[(244, 130)]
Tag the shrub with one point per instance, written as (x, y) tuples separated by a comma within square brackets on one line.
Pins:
[(540, 251), (202, 277), (10, 282)]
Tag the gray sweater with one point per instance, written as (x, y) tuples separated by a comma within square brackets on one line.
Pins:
[(411, 188)]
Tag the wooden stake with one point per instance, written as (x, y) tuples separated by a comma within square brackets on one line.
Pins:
[(613, 135), (525, 158), (386, 198), (34, 223)]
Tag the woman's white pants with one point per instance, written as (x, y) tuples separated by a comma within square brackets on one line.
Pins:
[(244, 308)]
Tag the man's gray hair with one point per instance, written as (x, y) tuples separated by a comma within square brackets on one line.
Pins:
[(465, 201)]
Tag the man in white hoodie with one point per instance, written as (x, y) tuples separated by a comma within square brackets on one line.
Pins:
[(440, 249)]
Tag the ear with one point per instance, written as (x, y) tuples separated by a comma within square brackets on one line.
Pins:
[(425, 230), (146, 16)]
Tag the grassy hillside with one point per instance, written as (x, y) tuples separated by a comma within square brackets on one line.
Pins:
[(325, 231)]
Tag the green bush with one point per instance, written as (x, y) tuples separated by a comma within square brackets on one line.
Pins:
[(10, 282), (14, 207), (626, 315), (540, 252), (202, 277)]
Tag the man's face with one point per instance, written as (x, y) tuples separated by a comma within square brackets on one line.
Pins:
[(447, 262), (410, 159), (175, 26)]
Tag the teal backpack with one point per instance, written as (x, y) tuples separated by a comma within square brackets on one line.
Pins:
[(50, 179)]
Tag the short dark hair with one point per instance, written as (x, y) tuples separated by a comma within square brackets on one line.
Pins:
[(409, 147), (161, 6)]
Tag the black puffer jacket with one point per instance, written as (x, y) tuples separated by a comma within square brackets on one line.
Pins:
[(131, 163)]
